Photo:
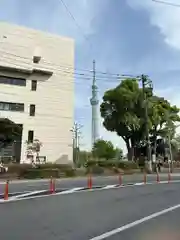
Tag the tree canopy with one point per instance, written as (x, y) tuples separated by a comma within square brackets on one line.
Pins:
[(123, 112), (105, 149)]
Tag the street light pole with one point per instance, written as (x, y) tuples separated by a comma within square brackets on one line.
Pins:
[(145, 82)]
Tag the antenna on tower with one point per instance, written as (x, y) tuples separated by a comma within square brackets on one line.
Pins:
[(94, 103)]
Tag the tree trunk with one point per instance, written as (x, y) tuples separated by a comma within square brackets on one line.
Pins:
[(129, 149), (132, 150)]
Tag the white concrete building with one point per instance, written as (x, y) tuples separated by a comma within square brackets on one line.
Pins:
[(37, 88)]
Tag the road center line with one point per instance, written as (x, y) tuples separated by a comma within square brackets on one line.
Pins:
[(135, 223)]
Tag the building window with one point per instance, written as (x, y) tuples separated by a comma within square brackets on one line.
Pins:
[(14, 107), (30, 136), (32, 110), (33, 85), (12, 81)]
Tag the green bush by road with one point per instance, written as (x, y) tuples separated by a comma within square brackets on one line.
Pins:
[(63, 170), (111, 164)]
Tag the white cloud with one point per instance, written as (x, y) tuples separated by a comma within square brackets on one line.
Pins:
[(165, 17)]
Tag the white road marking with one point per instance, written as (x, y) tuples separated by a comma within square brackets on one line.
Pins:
[(27, 194), (110, 186), (24, 181), (85, 191), (139, 184), (135, 223), (72, 190), (16, 193)]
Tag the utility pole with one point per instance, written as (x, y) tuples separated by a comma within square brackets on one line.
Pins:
[(168, 137), (76, 136), (146, 82), (169, 141)]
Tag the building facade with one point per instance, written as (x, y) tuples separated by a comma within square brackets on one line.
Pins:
[(37, 89)]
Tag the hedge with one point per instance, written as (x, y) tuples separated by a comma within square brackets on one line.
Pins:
[(65, 170), (112, 164), (38, 173), (42, 171)]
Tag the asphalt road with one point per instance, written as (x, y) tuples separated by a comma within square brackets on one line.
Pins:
[(83, 216), (31, 185)]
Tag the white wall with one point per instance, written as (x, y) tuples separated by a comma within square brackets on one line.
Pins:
[(54, 98)]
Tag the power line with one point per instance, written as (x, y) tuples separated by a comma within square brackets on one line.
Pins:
[(60, 67), (66, 68), (71, 75), (77, 75), (166, 3), (74, 19)]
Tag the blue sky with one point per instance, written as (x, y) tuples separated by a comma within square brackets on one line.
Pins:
[(124, 36)]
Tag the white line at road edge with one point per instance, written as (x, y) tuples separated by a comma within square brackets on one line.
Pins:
[(110, 186), (74, 190), (28, 194), (135, 223)]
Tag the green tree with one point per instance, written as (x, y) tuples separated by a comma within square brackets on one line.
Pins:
[(83, 157), (123, 112), (175, 145), (104, 149), (119, 154), (176, 141), (163, 117)]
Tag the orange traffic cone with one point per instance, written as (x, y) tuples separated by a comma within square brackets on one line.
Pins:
[(145, 178), (6, 190), (157, 179), (54, 186), (169, 177), (51, 185), (120, 179), (89, 181)]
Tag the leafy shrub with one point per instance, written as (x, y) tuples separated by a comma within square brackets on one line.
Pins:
[(70, 172), (42, 171), (18, 168), (175, 164), (115, 170), (128, 165), (62, 167), (34, 173), (96, 170), (81, 171), (112, 164)]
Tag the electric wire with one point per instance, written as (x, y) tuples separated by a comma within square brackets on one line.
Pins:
[(72, 75), (76, 23), (166, 3), (67, 67)]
